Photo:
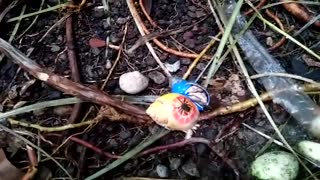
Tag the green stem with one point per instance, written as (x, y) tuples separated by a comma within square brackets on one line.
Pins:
[(224, 40), (130, 154)]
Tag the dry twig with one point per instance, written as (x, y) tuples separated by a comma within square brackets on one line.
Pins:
[(300, 12), (73, 65), (68, 86), (275, 18), (156, 41)]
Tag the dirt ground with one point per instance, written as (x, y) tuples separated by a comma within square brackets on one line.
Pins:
[(235, 144)]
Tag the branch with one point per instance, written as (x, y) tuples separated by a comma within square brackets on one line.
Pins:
[(67, 86)]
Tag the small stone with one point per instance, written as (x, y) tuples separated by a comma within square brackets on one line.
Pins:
[(133, 82), (195, 28), (201, 66), (162, 22), (203, 29), (192, 14), (54, 95), (191, 169), (113, 143), (108, 64), (192, 8), (88, 71), (62, 57), (95, 51), (150, 61), (173, 67), (210, 133), (125, 134), (162, 171), (98, 12), (105, 25), (187, 35), (135, 140), (163, 56), (109, 128), (112, 85), (190, 43), (60, 38), (121, 20), (114, 38), (157, 77), (200, 14), (116, 3), (185, 61), (269, 41), (54, 48), (175, 163), (172, 59), (201, 149)]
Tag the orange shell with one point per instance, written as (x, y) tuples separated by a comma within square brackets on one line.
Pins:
[(174, 111)]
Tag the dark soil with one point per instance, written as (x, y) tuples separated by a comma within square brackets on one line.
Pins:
[(236, 144)]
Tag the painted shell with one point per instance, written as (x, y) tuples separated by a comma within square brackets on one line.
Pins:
[(192, 90), (174, 111)]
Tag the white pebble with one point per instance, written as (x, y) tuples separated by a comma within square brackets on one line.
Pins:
[(162, 171), (108, 64), (133, 82)]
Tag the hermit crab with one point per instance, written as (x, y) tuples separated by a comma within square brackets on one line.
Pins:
[(175, 112), (180, 109)]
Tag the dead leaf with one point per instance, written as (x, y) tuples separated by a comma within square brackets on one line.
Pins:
[(7, 170), (95, 43), (310, 61), (234, 84)]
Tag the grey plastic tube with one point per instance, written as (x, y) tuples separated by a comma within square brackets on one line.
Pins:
[(289, 95)]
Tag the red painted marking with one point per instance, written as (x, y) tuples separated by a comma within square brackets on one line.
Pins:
[(181, 116)]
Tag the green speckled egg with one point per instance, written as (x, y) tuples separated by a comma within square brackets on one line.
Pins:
[(276, 165)]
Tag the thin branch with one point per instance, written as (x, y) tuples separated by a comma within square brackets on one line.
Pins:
[(67, 86), (88, 145), (155, 40), (36, 147), (50, 129), (73, 65), (138, 22)]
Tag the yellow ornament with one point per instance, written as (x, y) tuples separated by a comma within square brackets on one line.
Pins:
[(175, 112)]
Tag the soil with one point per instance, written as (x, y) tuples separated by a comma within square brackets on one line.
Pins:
[(237, 144)]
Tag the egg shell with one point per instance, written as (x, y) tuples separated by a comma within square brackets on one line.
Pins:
[(276, 165)]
